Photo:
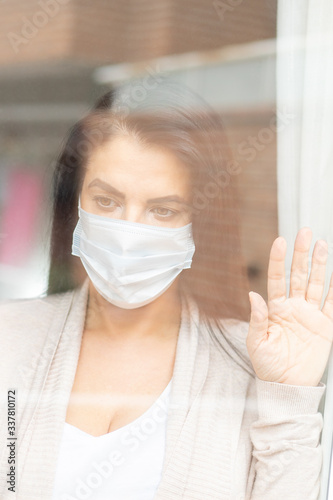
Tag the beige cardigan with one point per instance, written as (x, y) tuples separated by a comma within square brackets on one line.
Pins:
[(229, 435)]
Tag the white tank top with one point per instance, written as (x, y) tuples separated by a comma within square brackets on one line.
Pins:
[(125, 464)]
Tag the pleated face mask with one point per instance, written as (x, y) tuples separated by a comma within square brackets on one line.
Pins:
[(131, 264)]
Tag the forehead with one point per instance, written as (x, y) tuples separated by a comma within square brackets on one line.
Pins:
[(124, 160)]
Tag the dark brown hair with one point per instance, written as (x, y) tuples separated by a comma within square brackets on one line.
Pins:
[(195, 134)]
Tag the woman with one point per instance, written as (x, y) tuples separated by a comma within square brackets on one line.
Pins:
[(132, 378)]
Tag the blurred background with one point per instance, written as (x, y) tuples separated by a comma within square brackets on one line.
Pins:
[(58, 56)]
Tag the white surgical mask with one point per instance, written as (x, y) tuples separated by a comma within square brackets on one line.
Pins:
[(131, 264)]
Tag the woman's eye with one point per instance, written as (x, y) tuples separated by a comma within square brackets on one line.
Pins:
[(164, 212), (105, 202)]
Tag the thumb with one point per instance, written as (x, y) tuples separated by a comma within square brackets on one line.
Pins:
[(258, 320)]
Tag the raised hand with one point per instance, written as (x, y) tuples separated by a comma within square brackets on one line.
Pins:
[(290, 338)]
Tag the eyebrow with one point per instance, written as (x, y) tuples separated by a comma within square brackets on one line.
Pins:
[(110, 189)]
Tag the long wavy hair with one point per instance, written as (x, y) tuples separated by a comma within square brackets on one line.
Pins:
[(173, 117)]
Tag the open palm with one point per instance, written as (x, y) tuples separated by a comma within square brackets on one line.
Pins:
[(290, 338)]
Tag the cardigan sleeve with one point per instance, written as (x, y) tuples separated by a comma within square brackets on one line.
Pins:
[(287, 455)]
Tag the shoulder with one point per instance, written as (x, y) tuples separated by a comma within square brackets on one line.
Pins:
[(25, 323), (22, 313)]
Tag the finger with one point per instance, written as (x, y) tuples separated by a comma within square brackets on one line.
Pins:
[(258, 321), (328, 304), (314, 293), (300, 263), (276, 280)]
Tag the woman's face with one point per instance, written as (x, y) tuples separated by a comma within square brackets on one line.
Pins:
[(145, 184)]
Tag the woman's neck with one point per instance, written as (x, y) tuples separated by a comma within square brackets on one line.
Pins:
[(158, 319)]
